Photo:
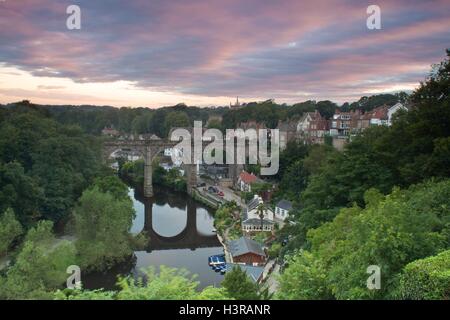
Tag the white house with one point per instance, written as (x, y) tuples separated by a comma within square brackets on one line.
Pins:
[(392, 110), (251, 221), (245, 180), (282, 209)]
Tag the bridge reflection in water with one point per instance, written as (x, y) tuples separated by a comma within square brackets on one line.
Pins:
[(181, 236), (187, 235)]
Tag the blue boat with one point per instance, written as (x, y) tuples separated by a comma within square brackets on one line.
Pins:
[(216, 260)]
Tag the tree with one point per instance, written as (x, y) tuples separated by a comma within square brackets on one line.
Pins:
[(169, 284), (20, 192), (389, 231), (426, 279), (294, 181), (262, 211), (112, 185), (10, 229), (304, 279), (40, 267), (102, 225), (176, 119), (239, 286)]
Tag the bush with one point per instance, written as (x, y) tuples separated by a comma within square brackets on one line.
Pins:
[(426, 279)]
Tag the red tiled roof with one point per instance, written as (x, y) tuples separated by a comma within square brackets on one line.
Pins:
[(247, 177)]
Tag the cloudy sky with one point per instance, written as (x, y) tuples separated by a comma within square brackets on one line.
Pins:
[(206, 52)]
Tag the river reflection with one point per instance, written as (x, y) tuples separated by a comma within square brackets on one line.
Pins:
[(181, 235)]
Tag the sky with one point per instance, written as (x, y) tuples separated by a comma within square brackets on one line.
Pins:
[(152, 53)]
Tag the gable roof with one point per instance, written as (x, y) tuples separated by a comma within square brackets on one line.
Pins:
[(248, 178), (252, 272), (245, 245), (284, 204), (255, 202)]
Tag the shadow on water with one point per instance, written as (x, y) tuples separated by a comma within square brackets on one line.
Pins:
[(181, 236)]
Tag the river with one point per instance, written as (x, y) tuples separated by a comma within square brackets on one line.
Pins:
[(181, 236)]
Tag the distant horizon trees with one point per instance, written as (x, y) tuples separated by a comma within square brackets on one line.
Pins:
[(92, 119)]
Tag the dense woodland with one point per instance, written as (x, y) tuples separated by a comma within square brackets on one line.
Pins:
[(384, 200)]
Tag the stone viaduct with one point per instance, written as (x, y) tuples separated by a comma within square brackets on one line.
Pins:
[(149, 148)]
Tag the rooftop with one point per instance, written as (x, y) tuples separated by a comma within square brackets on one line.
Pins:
[(252, 272), (284, 204), (248, 178), (245, 245)]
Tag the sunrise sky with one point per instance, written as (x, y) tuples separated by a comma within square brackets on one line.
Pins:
[(161, 52)]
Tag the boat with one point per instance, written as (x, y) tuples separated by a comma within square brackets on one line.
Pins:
[(216, 260)]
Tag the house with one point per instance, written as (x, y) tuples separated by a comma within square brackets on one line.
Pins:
[(392, 110), (110, 131), (245, 180), (288, 132), (247, 251), (375, 117), (343, 123), (255, 273), (312, 128), (251, 220), (282, 209), (252, 124), (380, 116)]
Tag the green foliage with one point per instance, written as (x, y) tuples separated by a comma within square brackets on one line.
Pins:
[(134, 172), (40, 267), (174, 180), (426, 279), (19, 192), (176, 119), (294, 181), (168, 284), (44, 166), (274, 250), (369, 103), (293, 152), (10, 229), (68, 294), (224, 219), (260, 187), (112, 185), (304, 279), (390, 232), (212, 293), (239, 286), (102, 229)]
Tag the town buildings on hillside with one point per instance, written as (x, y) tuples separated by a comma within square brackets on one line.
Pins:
[(312, 128)]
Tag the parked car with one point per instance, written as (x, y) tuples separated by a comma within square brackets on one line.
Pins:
[(220, 194), (201, 184), (213, 189)]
